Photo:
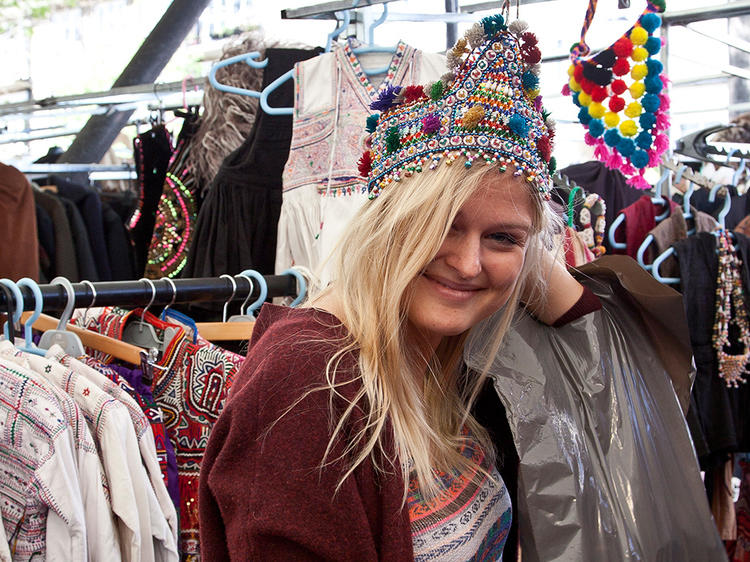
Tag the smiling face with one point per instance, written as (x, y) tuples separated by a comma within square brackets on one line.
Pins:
[(478, 264)]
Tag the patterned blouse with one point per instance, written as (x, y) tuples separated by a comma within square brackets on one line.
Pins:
[(468, 520)]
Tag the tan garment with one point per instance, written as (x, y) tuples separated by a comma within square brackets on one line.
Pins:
[(722, 502), (19, 250), (744, 226)]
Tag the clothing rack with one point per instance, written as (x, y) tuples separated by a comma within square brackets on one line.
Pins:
[(139, 293)]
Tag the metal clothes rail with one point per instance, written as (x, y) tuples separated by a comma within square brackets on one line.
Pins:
[(139, 293)]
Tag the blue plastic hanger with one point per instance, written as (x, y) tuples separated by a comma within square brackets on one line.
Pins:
[(263, 287), (738, 172), (250, 59), (657, 263), (28, 345), (659, 198), (69, 341), (301, 286), (17, 306), (376, 23), (725, 209)]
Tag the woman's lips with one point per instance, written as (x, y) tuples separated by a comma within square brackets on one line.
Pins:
[(452, 289)]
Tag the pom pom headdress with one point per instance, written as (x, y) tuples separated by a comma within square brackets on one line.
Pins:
[(621, 93), (487, 109)]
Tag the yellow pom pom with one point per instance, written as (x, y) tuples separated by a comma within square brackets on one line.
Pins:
[(637, 89), (633, 109), (571, 70), (639, 36), (584, 99), (639, 71), (611, 119), (639, 54), (534, 93), (472, 117), (596, 110), (574, 86), (628, 128)]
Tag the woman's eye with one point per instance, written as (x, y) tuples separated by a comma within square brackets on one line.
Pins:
[(503, 238)]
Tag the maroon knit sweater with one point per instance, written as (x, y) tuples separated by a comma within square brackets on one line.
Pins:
[(262, 494)]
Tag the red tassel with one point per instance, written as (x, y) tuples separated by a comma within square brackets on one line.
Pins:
[(365, 164), (531, 53), (413, 93), (544, 148), (529, 38)]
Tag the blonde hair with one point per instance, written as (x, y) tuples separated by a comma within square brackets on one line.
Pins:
[(397, 236)]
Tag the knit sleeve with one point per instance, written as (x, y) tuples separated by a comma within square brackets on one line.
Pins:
[(263, 493)]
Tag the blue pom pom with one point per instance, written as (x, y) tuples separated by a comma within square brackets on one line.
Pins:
[(372, 123), (583, 116), (644, 138), (647, 120), (519, 125), (639, 158), (650, 22), (575, 99), (612, 137), (653, 45), (653, 84), (626, 147), (654, 67), (493, 24), (651, 103), (529, 80), (596, 127)]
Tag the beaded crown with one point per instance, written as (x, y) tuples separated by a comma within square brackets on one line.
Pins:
[(487, 108)]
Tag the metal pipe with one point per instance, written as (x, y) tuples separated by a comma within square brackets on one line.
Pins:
[(729, 10), (451, 28)]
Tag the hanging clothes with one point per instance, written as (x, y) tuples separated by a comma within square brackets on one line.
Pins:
[(176, 211), (322, 186), (152, 151), (18, 223), (236, 228), (640, 219), (63, 261), (739, 209)]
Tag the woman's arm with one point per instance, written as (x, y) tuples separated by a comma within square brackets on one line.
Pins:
[(563, 292)]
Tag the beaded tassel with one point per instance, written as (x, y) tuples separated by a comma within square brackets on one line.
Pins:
[(729, 292)]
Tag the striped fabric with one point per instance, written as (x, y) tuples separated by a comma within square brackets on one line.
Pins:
[(468, 520)]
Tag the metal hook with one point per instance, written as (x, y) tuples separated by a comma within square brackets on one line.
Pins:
[(153, 298), (174, 296), (234, 292), (90, 285), (249, 293)]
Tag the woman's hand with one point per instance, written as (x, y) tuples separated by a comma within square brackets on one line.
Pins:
[(563, 291)]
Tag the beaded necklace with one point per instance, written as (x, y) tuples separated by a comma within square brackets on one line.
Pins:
[(729, 292)]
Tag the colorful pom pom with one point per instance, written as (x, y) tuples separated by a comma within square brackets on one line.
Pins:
[(472, 117), (386, 98), (616, 104), (584, 99), (653, 84), (493, 24), (529, 80), (650, 22), (413, 93), (518, 27), (626, 147), (531, 54), (640, 54), (596, 128), (529, 38), (644, 140), (533, 94), (612, 137), (392, 140), (519, 125), (651, 103), (654, 66), (611, 119), (639, 71), (660, 5), (599, 94), (372, 123), (647, 120), (653, 45), (364, 165), (575, 97), (544, 147), (619, 86), (436, 90), (571, 70), (597, 110), (639, 158), (633, 109), (623, 47), (621, 67), (637, 89), (606, 58), (574, 85), (552, 165), (578, 73), (430, 124), (628, 128), (583, 116), (638, 36)]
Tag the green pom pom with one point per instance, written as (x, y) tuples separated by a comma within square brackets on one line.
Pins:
[(545, 114), (493, 24), (661, 4), (436, 90), (552, 165), (392, 140), (372, 123)]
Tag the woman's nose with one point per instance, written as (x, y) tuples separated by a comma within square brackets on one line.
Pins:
[(464, 256)]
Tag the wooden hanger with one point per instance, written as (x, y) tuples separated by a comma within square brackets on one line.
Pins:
[(225, 331), (105, 344)]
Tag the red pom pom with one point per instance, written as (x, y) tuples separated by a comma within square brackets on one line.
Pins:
[(531, 53), (587, 85), (619, 86), (413, 93), (616, 104), (621, 67), (578, 73), (365, 164), (623, 48), (599, 93), (529, 39), (544, 147)]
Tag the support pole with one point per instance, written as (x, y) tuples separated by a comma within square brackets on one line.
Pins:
[(92, 143), (451, 34)]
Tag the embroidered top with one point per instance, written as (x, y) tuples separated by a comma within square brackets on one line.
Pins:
[(322, 185), (469, 520)]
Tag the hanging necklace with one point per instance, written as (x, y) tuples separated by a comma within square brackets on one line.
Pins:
[(730, 294)]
